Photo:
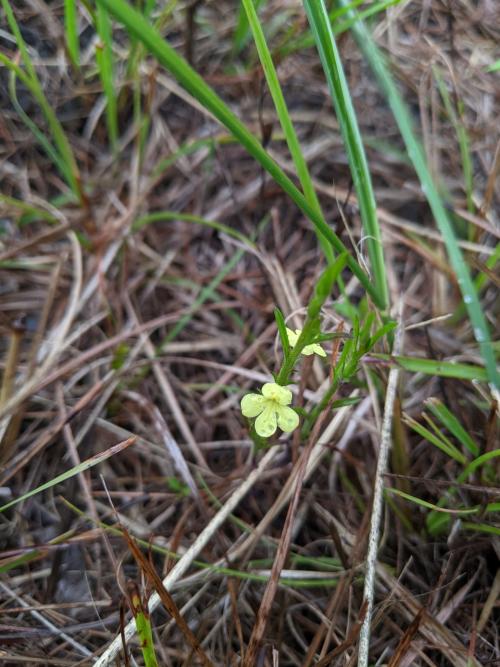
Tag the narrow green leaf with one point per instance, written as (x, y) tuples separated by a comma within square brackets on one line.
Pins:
[(71, 28), (28, 208), (448, 419), (435, 439), (81, 467), (477, 463), (448, 369), (462, 138), (491, 507), (39, 135), (104, 59), (280, 323), (343, 402), (481, 528), (494, 67), (381, 332), (204, 294), (324, 286)]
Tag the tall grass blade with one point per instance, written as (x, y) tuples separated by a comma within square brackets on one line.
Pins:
[(344, 109), (196, 86), (402, 116), (242, 31), (284, 117), (104, 59), (462, 138), (71, 28)]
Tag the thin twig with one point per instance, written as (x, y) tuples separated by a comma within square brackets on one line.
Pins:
[(40, 617), (378, 495)]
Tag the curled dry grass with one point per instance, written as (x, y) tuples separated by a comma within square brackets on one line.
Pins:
[(117, 323)]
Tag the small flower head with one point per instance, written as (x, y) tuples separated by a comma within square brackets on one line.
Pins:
[(314, 348), (271, 409)]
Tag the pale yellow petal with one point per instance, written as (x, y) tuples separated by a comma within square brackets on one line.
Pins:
[(314, 348), (252, 405), (288, 419), (319, 350), (275, 392), (292, 337), (266, 423)]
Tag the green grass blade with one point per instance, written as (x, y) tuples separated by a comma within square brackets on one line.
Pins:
[(440, 442), (168, 216), (306, 41), (31, 81), (416, 154), (462, 138), (33, 127), (206, 293), (71, 29), (27, 209), (188, 148), (491, 507), (209, 567), (104, 59), (339, 91), (196, 86), (284, 117), (281, 324), (481, 528), (477, 463), (81, 467), (448, 419), (242, 32), (448, 369), (21, 44)]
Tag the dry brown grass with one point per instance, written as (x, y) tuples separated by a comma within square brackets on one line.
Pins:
[(82, 323)]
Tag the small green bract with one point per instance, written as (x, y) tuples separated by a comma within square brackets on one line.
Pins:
[(271, 409), (314, 348)]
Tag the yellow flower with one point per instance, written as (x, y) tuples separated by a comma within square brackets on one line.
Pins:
[(314, 348), (271, 409)]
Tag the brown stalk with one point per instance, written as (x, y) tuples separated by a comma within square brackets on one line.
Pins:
[(406, 640), (168, 602), (7, 438)]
